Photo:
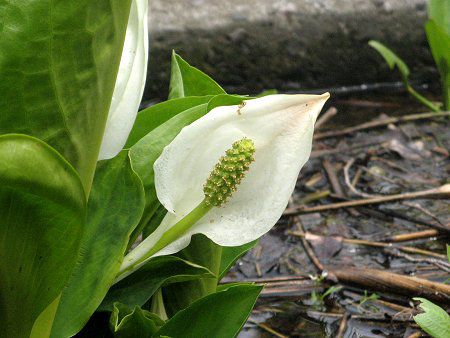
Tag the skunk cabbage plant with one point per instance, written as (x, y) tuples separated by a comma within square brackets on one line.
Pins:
[(110, 213)]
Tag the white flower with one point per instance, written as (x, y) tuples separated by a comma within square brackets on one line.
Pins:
[(281, 127), (130, 82)]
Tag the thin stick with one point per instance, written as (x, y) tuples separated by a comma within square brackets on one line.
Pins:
[(391, 282), (412, 236), (441, 264), (440, 192), (379, 123), (343, 325), (267, 328), (328, 115), (332, 177), (324, 152), (309, 251), (309, 236)]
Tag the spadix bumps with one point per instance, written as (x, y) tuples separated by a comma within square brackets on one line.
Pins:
[(228, 173)]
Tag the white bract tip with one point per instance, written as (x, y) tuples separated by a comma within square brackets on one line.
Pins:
[(130, 82), (281, 127)]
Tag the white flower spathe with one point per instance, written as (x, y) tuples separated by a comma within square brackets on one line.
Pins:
[(130, 82), (281, 127)]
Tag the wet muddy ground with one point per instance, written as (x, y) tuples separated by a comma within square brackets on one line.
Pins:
[(308, 260)]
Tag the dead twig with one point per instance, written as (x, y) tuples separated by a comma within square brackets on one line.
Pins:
[(350, 185), (412, 236), (324, 152), (328, 115), (309, 250), (440, 192), (343, 325), (267, 328), (385, 281), (441, 264), (309, 236), (379, 123)]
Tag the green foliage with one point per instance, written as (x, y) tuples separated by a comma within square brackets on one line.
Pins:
[(42, 217), (127, 323), (154, 116), (391, 59), (439, 11), (219, 315), (434, 320), (395, 61), (139, 287), (231, 254), (115, 207), (438, 35), (58, 63), (439, 42), (189, 81)]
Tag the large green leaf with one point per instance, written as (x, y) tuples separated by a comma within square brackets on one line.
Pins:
[(204, 252), (186, 80), (115, 206), (439, 11), (434, 320), (219, 315), (58, 65), (42, 217), (140, 286), (127, 323), (152, 117), (201, 251), (439, 42), (231, 254)]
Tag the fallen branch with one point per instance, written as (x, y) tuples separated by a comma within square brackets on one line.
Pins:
[(391, 282), (441, 192), (379, 123), (312, 237)]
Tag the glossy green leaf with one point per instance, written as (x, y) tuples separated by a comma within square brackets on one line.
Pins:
[(127, 323), (137, 288), (206, 253), (152, 117), (201, 251), (219, 315), (186, 80), (42, 217), (231, 254), (439, 11), (115, 207), (58, 65), (439, 42), (434, 320), (391, 58)]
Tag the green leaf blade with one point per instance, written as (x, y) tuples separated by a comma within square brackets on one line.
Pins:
[(220, 315), (42, 218), (115, 207), (127, 323), (59, 62), (434, 320), (139, 287), (189, 81), (391, 58)]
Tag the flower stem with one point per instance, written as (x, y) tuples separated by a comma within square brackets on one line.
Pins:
[(421, 99), (168, 237)]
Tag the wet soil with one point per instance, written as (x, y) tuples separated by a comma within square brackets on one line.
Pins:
[(393, 159)]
